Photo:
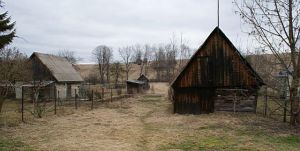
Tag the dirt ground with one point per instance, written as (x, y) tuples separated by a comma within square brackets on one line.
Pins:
[(146, 122)]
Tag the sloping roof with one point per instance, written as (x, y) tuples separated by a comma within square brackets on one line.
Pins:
[(220, 33), (143, 77), (59, 67), (37, 83), (135, 81)]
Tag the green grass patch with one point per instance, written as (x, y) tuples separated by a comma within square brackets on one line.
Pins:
[(15, 145), (209, 143)]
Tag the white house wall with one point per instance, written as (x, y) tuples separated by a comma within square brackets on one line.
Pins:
[(61, 90)]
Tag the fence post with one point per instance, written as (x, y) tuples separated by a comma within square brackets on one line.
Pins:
[(58, 98), (111, 94), (266, 102), (75, 99), (55, 99), (234, 103), (284, 110), (102, 94), (22, 108), (92, 99)]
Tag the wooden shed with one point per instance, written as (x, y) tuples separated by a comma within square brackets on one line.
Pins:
[(217, 77), (134, 86), (146, 81)]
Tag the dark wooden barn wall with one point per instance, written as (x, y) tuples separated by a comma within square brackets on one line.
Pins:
[(194, 100), (133, 88), (212, 68), (216, 68)]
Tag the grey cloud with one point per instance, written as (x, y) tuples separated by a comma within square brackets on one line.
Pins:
[(80, 25)]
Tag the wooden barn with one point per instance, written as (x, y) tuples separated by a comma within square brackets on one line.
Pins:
[(46, 67), (146, 81), (216, 78)]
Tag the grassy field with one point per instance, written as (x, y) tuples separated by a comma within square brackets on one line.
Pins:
[(146, 122)]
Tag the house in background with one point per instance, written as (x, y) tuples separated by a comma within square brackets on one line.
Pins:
[(134, 86), (138, 86), (146, 81), (216, 78), (46, 67)]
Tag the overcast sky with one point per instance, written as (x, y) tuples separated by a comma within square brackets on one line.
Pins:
[(51, 25)]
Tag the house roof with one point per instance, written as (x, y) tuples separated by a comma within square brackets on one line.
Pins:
[(59, 67), (220, 33), (38, 83)]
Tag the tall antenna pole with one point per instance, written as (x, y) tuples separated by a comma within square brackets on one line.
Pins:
[(218, 13)]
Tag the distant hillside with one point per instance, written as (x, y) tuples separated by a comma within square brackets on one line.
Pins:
[(86, 69), (265, 65)]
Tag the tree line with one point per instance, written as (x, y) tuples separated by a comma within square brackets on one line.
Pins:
[(164, 59)]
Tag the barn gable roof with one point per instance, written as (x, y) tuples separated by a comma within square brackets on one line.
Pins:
[(59, 67), (218, 31), (143, 78)]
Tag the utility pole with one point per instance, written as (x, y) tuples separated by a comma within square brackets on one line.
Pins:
[(218, 13)]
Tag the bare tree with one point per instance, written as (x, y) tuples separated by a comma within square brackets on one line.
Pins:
[(141, 56), (103, 56), (275, 24), (126, 54), (146, 58), (13, 68), (159, 62), (108, 59), (185, 52), (137, 54), (69, 55), (170, 52), (117, 71)]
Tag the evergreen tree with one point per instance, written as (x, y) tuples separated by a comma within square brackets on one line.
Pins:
[(7, 31)]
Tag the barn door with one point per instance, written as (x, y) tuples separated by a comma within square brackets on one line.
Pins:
[(204, 71), (206, 100)]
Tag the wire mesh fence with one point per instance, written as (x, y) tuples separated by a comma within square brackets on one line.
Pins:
[(273, 105), (27, 109)]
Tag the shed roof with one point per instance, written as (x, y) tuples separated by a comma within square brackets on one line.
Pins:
[(142, 78), (135, 81), (59, 67), (37, 83)]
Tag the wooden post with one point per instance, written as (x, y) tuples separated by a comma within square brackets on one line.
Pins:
[(75, 99), (102, 94), (22, 108), (111, 94), (58, 97), (49, 95), (234, 103), (92, 99), (266, 102), (284, 110), (55, 99)]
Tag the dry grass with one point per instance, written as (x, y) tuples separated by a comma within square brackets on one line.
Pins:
[(146, 123)]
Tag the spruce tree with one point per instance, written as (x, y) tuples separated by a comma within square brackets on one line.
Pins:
[(7, 31)]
